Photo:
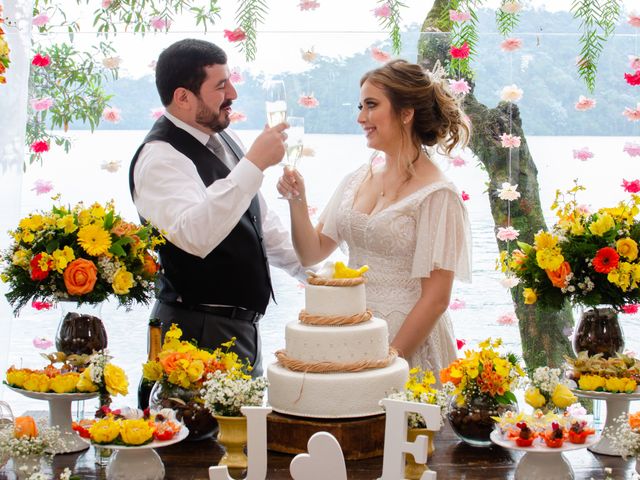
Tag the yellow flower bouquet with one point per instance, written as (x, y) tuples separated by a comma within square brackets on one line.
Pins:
[(83, 254), (549, 390), (588, 258)]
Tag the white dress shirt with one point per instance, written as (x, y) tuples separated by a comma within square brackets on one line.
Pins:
[(170, 194)]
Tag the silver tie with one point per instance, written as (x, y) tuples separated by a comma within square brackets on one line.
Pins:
[(216, 147)]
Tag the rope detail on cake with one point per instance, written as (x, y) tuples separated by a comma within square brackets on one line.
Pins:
[(336, 282), (332, 367), (308, 319)]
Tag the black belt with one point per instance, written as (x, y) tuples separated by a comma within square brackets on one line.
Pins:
[(234, 313)]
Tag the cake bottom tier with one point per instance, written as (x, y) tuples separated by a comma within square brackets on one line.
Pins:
[(334, 395)]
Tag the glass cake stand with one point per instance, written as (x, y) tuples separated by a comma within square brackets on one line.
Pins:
[(140, 462), (617, 404), (540, 461), (60, 415)]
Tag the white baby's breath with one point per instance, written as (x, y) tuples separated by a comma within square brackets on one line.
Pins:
[(225, 392)]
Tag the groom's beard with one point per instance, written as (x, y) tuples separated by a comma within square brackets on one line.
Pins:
[(212, 120)]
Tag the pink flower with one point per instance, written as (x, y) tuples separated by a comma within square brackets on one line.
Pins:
[(152, 64), (510, 44), (312, 210), (383, 11), (237, 117), (465, 196), (42, 343), (633, 149), (634, 62), (583, 209), (236, 35), (41, 305), (507, 319), (308, 55), (106, 3), (111, 114), (630, 308), (511, 93), (458, 16), (582, 154), (631, 187), (40, 20), (458, 161), (41, 60), (377, 160), (459, 86), (509, 281), (159, 23), (379, 55), (42, 186), (236, 77), (511, 7), (457, 304), (634, 20), (308, 5), (308, 101), (111, 166), (40, 104), (633, 115), (460, 343), (509, 141), (39, 146), (156, 113), (633, 79), (585, 103), (506, 234), (461, 52)]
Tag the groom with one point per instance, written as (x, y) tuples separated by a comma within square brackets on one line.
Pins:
[(192, 181)]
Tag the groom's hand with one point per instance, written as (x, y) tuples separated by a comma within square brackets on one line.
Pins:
[(268, 149)]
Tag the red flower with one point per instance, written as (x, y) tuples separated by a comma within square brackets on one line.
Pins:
[(465, 196), (631, 187), (39, 146), (460, 343), (41, 60), (236, 35), (460, 52), (606, 260), (631, 308), (633, 79), (38, 273), (41, 305)]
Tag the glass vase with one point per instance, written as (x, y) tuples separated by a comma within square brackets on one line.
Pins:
[(233, 437), (413, 470), (80, 330), (472, 421), (599, 331), (189, 408)]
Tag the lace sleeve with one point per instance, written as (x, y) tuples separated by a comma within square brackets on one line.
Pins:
[(443, 236)]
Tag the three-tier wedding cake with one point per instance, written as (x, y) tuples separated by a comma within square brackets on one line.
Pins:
[(337, 362)]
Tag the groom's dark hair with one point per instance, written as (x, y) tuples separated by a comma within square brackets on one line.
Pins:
[(182, 65)]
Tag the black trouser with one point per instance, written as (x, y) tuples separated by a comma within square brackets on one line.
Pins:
[(211, 330)]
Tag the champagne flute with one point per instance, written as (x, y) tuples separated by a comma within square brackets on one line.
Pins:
[(293, 145), (276, 102)]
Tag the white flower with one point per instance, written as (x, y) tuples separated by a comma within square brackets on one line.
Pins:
[(66, 474), (111, 62), (508, 192), (111, 165), (511, 93), (511, 7), (509, 281)]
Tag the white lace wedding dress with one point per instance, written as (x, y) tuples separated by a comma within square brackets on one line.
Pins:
[(424, 231)]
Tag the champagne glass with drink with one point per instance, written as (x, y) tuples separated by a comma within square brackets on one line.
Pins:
[(294, 144), (276, 102)]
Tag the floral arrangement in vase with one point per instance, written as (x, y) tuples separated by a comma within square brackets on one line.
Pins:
[(225, 392), (129, 426), (83, 253), (4, 50), (483, 385), (617, 374), (589, 258), (625, 435), (549, 390)]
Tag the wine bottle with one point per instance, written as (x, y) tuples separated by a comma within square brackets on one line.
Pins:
[(154, 344)]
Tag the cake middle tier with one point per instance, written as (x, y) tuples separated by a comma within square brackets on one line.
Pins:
[(367, 341)]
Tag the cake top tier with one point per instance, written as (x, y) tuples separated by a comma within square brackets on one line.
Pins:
[(337, 274)]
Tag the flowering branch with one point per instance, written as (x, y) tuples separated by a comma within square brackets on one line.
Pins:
[(249, 14), (390, 20)]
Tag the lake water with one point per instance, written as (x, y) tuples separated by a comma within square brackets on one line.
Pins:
[(78, 176)]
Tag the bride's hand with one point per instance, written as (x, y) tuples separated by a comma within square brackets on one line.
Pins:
[(291, 185)]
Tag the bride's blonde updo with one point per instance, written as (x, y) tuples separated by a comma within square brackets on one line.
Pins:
[(437, 120)]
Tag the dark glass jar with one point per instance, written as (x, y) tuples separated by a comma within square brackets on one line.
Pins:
[(81, 330), (472, 421), (599, 331)]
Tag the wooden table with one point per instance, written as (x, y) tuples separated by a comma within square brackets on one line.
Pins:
[(452, 460)]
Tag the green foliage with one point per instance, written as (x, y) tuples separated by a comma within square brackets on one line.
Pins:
[(249, 14), (506, 22), (392, 22), (461, 33)]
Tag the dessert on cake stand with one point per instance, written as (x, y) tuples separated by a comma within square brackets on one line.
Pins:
[(540, 461), (60, 415)]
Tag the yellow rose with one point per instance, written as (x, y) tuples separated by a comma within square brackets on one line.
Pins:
[(135, 432), (563, 397), (628, 248), (65, 383), (530, 296), (85, 384), (115, 380), (549, 258), (620, 385), (534, 398), (122, 281), (17, 377), (105, 430), (37, 382), (591, 382), (152, 370), (195, 370), (602, 225)]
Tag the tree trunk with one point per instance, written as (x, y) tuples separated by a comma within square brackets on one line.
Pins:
[(542, 331)]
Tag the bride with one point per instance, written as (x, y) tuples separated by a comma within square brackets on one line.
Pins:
[(404, 218)]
